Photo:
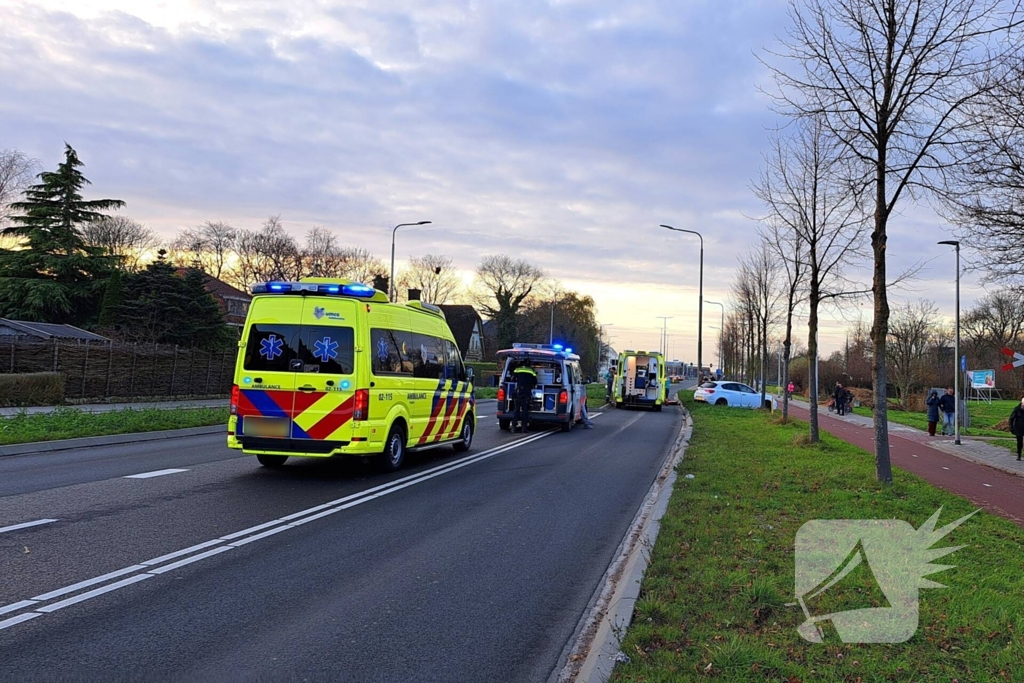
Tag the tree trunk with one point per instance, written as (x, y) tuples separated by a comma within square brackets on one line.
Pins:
[(812, 353), (880, 328), (786, 349)]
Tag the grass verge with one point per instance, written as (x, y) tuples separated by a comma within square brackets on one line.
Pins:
[(713, 602), (71, 423), (983, 417)]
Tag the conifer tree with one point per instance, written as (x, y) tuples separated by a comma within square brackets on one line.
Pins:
[(54, 276)]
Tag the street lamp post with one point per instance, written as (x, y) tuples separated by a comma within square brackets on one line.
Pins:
[(721, 333), (700, 300), (392, 290), (664, 333), (956, 346), (600, 342)]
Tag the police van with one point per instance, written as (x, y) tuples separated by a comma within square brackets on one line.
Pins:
[(331, 368), (560, 392), (641, 380)]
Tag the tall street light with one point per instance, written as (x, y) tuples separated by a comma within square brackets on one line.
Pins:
[(956, 347), (700, 301), (664, 333), (721, 333), (391, 282), (600, 341)]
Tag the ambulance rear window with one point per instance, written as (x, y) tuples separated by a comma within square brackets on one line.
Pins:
[(300, 348)]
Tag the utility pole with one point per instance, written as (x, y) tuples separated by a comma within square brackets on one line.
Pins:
[(664, 331)]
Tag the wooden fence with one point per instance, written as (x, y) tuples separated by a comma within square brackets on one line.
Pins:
[(103, 370)]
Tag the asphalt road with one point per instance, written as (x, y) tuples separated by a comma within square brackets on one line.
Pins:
[(467, 567)]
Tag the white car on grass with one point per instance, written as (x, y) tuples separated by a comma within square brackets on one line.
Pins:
[(733, 395)]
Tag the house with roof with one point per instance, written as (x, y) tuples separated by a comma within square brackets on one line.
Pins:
[(467, 327), (233, 302), (17, 330)]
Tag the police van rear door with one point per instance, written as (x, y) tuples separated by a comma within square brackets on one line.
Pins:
[(325, 381)]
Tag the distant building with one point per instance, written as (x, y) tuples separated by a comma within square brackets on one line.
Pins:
[(25, 329), (467, 327), (234, 303)]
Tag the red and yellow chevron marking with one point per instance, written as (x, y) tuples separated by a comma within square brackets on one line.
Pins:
[(445, 403), (314, 415)]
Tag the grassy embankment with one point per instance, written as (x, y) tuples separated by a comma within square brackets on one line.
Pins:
[(70, 423), (713, 602)]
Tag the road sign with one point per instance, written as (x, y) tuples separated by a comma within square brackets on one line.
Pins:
[(1016, 359), (963, 363)]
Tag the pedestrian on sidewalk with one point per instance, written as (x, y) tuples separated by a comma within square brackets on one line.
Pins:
[(947, 404), (790, 388), (1017, 425), (839, 396), (933, 411)]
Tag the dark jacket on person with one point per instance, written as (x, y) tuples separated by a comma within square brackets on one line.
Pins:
[(933, 406), (526, 380), (1017, 420), (839, 394), (947, 403)]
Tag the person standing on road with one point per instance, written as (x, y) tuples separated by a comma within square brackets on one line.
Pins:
[(1017, 425), (933, 411), (610, 379), (947, 404), (526, 380)]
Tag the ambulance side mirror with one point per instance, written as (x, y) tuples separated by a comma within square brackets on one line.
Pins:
[(469, 375)]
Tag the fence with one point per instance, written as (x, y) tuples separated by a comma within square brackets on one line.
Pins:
[(104, 370)]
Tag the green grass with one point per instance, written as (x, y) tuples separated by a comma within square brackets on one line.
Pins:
[(713, 602), (983, 417), (70, 423)]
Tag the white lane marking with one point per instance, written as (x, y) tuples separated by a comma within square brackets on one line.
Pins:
[(7, 623), (149, 475), (25, 525), (88, 582), (16, 606), (988, 485), (190, 560), (93, 593), (912, 455), (346, 502), (945, 468)]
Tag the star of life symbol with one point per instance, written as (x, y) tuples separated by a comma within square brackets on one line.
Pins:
[(270, 347), (887, 552), (325, 349), (382, 349)]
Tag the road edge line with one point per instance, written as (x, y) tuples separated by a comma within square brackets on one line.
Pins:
[(598, 636)]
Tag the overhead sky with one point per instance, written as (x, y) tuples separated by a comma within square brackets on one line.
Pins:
[(563, 132)]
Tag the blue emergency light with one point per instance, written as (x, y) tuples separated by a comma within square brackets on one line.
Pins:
[(569, 350), (350, 289), (557, 347)]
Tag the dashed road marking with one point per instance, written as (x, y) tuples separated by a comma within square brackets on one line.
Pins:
[(25, 525), (157, 473), (988, 485), (945, 468)]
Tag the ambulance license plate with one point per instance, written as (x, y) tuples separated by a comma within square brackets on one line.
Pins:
[(266, 426)]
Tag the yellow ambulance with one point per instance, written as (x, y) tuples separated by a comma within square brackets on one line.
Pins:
[(641, 380), (331, 368)]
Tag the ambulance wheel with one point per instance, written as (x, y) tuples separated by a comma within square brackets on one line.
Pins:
[(618, 404), (463, 444), (394, 450), (567, 426), (272, 460), (505, 424)]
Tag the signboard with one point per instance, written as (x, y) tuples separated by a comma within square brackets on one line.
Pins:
[(1016, 359), (963, 363), (983, 379)]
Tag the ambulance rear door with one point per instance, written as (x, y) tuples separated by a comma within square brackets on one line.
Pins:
[(325, 380), (267, 378)]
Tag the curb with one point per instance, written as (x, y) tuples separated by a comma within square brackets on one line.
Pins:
[(595, 648), (111, 440)]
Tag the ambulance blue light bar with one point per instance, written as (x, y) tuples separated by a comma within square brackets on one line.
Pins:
[(350, 289)]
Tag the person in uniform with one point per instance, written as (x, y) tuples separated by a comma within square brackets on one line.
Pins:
[(526, 379)]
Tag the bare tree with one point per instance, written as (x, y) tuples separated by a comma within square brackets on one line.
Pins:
[(16, 173), (123, 237), (435, 277), (207, 247), (889, 80), (266, 254), (765, 271), (911, 330), (502, 285)]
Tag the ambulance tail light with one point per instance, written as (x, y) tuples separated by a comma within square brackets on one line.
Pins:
[(361, 407), (233, 410), (501, 394), (563, 398)]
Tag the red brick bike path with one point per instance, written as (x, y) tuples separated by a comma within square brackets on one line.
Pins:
[(993, 490)]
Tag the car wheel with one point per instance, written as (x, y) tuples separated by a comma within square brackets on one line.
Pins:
[(567, 425), (394, 450), (273, 461), (463, 444), (657, 408), (721, 402), (505, 424)]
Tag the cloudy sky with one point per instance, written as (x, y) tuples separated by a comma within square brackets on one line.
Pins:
[(563, 132)]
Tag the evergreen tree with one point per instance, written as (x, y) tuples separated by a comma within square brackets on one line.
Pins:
[(113, 297), (54, 276)]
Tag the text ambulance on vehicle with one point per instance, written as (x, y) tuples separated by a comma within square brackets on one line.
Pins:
[(330, 367), (641, 380)]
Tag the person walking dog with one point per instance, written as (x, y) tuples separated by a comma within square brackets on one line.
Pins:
[(1017, 425), (947, 404), (933, 411)]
